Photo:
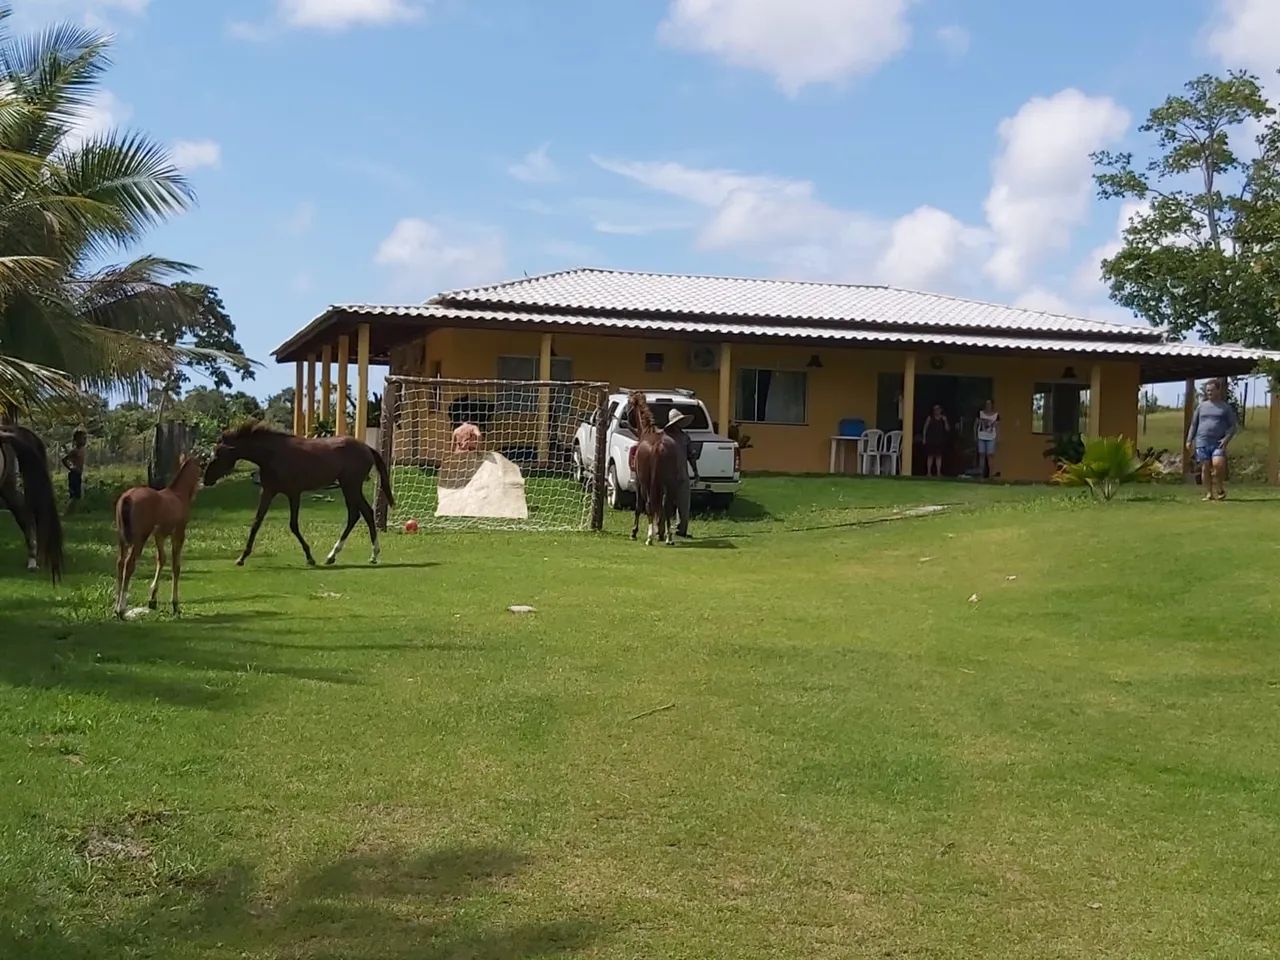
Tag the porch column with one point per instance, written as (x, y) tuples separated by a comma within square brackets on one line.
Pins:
[(1273, 441), (1188, 410), (344, 357), (908, 414), (299, 401), (1095, 401), (311, 395), (362, 381), (544, 400), (326, 385), (725, 410)]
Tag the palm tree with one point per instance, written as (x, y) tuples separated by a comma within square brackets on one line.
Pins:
[(68, 203)]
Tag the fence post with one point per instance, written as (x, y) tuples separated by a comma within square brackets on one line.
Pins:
[(598, 478), (390, 399)]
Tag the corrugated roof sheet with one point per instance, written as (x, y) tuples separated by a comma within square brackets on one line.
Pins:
[(717, 328), (622, 292)]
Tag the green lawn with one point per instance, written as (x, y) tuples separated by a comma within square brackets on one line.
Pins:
[(383, 763)]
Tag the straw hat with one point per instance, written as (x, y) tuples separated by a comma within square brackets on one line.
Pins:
[(677, 419)]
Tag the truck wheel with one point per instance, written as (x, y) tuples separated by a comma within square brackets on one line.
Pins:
[(618, 498), (720, 502)]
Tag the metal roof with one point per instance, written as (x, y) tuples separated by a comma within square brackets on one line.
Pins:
[(609, 292), (719, 328)]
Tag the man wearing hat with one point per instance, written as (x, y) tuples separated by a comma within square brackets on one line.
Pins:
[(689, 451)]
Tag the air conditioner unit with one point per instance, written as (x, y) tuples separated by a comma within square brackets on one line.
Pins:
[(704, 358)]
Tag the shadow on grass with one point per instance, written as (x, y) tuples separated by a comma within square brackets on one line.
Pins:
[(186, 662), (395, 905), (710, 543)]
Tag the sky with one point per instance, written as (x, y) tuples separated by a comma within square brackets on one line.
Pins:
[(385, 150)]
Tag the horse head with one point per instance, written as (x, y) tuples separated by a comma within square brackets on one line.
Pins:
[(233, 446)]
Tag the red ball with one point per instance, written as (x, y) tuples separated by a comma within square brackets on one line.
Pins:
[(411, 526)]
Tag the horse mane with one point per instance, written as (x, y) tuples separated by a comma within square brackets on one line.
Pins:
[(644, 416), (250, 428)]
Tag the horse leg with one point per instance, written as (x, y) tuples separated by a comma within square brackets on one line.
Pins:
[(264, 504), (371, 521), (635, 520), (353, 517), (122, 556), (295, 501), (179, 538), (155, 581), (18, 507), (130, 564)]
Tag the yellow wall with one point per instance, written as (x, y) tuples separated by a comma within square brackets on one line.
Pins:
[(844, 386)]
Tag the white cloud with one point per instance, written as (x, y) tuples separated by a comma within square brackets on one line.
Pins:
[(1042, 177), (98, 14), (785, 224), (924, 247), (301, 220), (329, 15), (798, 42), (193, 154), (1246, 33), (104, 112), (536, 166), (425, 257), (955, 39), (1088, 277)]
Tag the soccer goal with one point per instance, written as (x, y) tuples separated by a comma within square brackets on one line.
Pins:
[(494, 454)]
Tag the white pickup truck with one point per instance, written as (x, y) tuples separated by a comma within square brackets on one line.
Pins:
[(719, 459)]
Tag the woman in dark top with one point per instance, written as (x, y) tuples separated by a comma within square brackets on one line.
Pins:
[(936, 429)]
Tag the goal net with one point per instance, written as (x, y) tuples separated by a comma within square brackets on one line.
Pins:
[(493, 454)]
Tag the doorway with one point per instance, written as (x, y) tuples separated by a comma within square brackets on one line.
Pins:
[(960, 398)]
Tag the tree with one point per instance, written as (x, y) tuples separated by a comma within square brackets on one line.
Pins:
[(1199, 256), (225, 408), (279, 409), (68, 318), (209, 327)]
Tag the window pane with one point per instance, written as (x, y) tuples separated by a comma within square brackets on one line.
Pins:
[(785, 400), (745, 405)]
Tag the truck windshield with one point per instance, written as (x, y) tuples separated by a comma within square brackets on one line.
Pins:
[(662, 412)]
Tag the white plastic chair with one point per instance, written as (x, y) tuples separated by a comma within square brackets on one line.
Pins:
[(870, 447), (891, 450)]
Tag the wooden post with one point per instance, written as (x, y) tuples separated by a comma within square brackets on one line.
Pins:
[(1273, 440), (299, 401), (725, 409), (1095, 400), (908, 415), (326, 385), (311, 395), (344, 358), (1188, 410), (362, 381), (386, 444), (544, 400), (598, 479)]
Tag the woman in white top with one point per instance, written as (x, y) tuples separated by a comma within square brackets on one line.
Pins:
[(988, 426)]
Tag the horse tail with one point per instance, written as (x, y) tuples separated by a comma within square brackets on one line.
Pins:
[(124, 518), (37, 485), (383, 476), (644, 416)]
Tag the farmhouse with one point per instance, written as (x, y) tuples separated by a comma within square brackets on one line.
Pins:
[(795, 366)]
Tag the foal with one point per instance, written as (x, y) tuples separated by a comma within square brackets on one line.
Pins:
[(142, 513)]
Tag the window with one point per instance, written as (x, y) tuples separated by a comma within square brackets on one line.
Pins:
[(653, 362), (526, 368), (1058, 408), (771, 396)]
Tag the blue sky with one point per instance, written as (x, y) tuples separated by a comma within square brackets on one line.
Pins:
[(382, 150)]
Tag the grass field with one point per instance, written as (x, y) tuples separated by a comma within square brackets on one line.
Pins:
[(1164, 430), (854, 759)]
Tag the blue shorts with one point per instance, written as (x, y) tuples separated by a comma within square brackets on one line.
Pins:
[(1207, 453), (986, 447)]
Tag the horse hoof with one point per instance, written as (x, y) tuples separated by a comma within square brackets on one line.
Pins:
[(311, 561), (330, 561), (177, 611), (152, 605), (33, 567), (240, 562)]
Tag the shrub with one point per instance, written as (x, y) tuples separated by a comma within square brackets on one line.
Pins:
[(1107, 464), (1065, 448)]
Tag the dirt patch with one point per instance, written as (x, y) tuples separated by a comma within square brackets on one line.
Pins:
[(124, 841)]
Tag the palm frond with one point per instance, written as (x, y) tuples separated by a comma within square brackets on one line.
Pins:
[(20, 271), (56, 72), (136, 297), (26, 386)]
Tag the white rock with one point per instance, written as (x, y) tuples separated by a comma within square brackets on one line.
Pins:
[(521, 608)]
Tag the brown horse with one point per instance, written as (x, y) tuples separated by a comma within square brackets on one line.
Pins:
[(143, 513), (293, 465), (657, 472), (34, 507)]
